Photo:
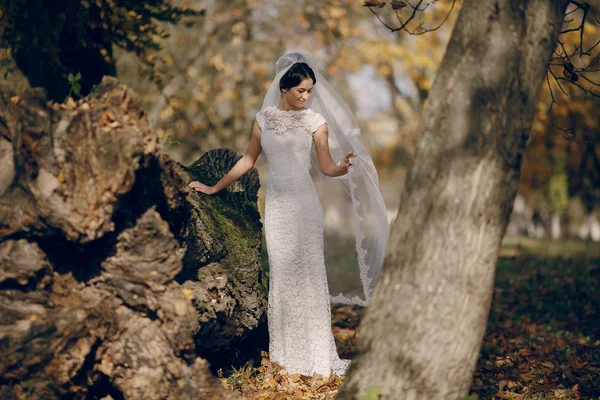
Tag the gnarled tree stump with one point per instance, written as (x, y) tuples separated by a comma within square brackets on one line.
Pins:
[(114, 277)]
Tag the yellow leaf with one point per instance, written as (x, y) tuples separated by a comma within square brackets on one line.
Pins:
[(188, 293)]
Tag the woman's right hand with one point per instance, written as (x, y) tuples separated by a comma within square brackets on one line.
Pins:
[(200, 187)]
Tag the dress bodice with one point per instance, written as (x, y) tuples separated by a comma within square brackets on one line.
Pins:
[(286, 140)]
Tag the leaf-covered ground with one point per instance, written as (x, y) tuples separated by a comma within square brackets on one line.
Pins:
[(542, 340)]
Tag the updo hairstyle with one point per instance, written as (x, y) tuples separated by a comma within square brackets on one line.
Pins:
[(295, 75)]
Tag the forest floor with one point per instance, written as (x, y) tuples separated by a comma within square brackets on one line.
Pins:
[(542, 340)]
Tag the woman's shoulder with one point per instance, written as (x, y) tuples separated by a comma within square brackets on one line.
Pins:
[(315, 116), (312, 112)]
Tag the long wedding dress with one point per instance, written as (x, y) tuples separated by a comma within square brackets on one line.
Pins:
[(299, 311)]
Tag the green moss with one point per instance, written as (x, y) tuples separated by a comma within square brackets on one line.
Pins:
[(239, 235)]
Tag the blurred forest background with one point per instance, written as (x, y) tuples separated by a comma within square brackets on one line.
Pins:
[(201, 80), (202, 88)]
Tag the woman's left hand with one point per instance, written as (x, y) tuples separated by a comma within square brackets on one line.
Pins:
[(346, 163), (201, 187)]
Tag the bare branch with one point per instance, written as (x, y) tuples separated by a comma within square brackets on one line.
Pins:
[(551, 94), (403, 25), (568, 133), (578, 6), (588, 52), (419, 7), (586, 8), (589, 80), (570, 136), (437, 27), (564, 58), (416, 8), (380, 20), (557, 82), (579, 86), (596, 18)]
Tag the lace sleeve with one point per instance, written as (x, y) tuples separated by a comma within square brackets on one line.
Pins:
[(260, 119), (316, 120)]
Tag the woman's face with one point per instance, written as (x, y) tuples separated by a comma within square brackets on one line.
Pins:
[(298, 95)]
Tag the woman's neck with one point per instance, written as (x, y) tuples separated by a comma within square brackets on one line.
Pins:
[(285, 106)]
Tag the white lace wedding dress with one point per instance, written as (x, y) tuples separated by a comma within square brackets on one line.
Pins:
[(299, 311)]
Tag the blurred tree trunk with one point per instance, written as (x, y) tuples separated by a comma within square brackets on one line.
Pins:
[(114, 278), (422, 332)]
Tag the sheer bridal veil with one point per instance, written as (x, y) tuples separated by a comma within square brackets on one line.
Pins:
[(356, 224)]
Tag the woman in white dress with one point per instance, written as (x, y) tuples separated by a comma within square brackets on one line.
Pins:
[(299, 315)]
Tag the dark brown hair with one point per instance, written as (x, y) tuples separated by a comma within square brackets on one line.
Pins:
[(295, 75)]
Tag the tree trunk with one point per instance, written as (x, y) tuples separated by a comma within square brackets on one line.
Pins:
[(555, 226), (421, 334), (113, 276)]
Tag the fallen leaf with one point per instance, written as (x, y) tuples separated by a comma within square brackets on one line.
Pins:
[(525, 353)]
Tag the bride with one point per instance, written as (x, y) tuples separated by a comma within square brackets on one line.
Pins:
[(302, 112)]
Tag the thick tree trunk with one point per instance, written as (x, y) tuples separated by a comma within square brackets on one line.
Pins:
[(422, 332), (113, 276)]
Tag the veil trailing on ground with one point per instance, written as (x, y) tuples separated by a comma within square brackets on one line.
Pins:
[(356, 224)]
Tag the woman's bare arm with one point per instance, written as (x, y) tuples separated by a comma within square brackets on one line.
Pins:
[(326, 164), (243, 165)]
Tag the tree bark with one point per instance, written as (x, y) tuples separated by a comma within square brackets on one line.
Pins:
[(114, 277), (421, 334)]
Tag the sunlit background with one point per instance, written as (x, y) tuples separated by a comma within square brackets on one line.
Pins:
[(213, 71)]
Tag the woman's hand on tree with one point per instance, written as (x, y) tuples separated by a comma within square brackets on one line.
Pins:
[(200, 187)]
